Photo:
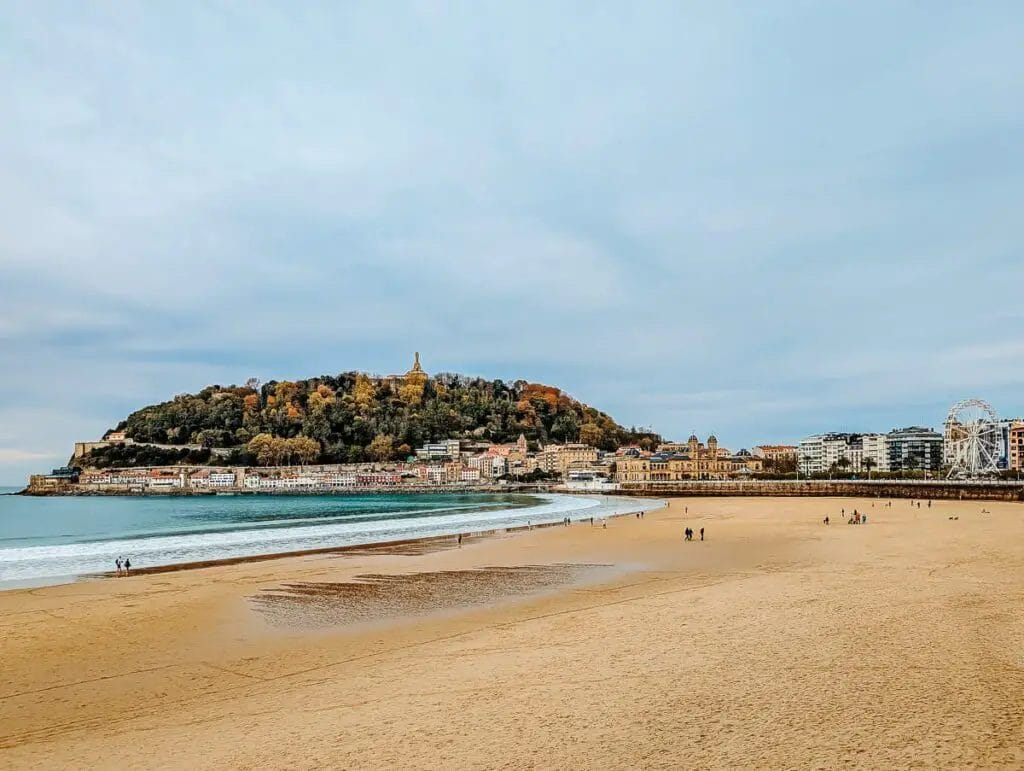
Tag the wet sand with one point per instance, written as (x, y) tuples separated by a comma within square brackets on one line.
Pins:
[(778, 642)]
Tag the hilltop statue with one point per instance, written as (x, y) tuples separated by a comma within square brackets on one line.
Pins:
[(413, 383)]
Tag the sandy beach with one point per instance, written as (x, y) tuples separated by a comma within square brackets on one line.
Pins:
[(776, 643)]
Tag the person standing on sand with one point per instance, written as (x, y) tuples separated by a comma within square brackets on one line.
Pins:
[(826, 519), (702, 534), (460, 540), (127, 566), (117, 566)]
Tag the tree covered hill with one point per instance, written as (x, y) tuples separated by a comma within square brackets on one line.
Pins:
[(353, 417)]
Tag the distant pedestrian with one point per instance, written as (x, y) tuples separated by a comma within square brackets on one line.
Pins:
[(117, 565), (460, 540), (864, 519), (604, 524), (929, 503), (127, 566), (702, 534), (826, 519)]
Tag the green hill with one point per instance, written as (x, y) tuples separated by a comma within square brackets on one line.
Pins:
[(352, 417)]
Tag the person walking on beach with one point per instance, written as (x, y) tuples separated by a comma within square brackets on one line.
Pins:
[(117, 565), (826, 519), (702, 534), (460, 540), (127, 566)]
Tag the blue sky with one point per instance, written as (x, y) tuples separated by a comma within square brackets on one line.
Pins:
[(760, 220)]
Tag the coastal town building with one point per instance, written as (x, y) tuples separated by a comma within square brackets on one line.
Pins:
[(1015, 441), (903, 449), (776, 452), (449, 449), (914, 448), (875, 453), (558, 458), (694, 460)]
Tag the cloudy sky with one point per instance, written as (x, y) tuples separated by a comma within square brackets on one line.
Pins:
[(757, 219)]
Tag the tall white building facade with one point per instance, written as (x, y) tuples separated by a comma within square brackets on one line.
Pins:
[(857, 453)]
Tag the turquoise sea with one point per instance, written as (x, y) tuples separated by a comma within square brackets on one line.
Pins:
[(54, 540)]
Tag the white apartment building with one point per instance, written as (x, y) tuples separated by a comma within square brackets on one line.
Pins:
[(822, 453), (811, 455), (222, 479), (449, 449), (874, 446)]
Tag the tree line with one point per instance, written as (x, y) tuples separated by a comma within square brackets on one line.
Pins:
[(352, 417)]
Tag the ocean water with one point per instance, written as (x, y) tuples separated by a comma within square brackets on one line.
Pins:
[(55, 540)]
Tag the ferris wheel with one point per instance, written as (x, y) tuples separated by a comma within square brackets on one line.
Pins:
[(972, 439)]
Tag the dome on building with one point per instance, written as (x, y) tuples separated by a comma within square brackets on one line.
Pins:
[(693, 438), (712, 439)]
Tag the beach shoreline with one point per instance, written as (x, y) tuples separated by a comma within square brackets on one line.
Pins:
[(514, 513), (437, 542), (778, 641)]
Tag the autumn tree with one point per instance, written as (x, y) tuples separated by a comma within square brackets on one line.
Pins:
[(590, 434), (303, 449), (411, 393), (382, 447), (363, 392), (264, 448)]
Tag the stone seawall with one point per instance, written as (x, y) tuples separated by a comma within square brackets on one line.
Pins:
[(887, 488), (170, 492)]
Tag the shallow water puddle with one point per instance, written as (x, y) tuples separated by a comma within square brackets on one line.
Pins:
[(373, 597)]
